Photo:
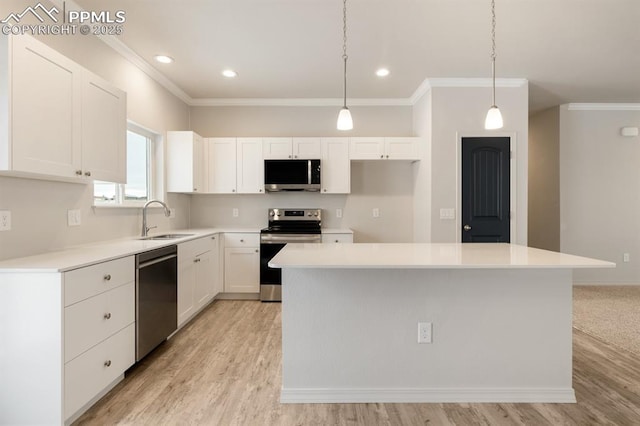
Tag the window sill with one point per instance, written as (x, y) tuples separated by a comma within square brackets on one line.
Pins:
[(125, 206)]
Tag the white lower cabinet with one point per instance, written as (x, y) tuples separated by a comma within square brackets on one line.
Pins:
[(242, 263), (337, 238), (198, 275), (90, 373)]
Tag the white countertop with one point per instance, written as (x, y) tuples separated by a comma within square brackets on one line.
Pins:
[(336, 231), (427, 256), (102, 251)]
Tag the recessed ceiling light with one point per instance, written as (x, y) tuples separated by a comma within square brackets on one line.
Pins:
[(229, 73), (163, 59), (382, 72)]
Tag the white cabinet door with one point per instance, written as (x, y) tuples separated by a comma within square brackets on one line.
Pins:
[(186, 288), (222, 164), (216, 280), (336, 166), (401, 148), (45, 109), (367, 148), (185, 162), (306, 148), (104, 130), (203, 279), (276, 148), (250, 166), (242, 270)]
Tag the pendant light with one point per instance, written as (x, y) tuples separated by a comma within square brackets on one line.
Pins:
[(494, 118), (344, 118)]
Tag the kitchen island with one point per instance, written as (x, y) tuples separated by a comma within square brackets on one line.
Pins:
[(497, 320)]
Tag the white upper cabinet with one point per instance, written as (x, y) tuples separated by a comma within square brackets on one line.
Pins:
[(335, 166), (185, 162), (291, 148), (104, 130), (220, 159), (58, 120), (250, 166), (390, 148)]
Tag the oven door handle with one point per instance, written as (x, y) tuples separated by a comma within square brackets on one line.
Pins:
[(283, 239)]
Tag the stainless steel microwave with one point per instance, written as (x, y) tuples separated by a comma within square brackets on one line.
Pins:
[(291, 175)]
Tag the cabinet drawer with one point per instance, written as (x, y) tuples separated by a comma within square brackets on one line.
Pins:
[(243, 239), (83, 283), (91, 321), (90, 373), (337, 238), (193, 248)]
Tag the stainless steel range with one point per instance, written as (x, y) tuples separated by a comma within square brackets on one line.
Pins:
[(285, 226)]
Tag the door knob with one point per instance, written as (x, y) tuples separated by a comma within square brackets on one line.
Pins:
[(467, 228)]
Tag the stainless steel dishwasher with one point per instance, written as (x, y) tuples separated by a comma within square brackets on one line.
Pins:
[(156, 298)]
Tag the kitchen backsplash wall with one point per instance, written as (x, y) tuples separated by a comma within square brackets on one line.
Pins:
[(386, 185)]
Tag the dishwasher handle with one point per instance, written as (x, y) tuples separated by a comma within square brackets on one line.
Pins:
[(156, 260)]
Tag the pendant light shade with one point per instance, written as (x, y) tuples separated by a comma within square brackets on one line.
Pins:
[(344, 117), (494, 117)]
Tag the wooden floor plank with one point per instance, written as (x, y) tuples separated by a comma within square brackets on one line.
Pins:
[(224, 368)]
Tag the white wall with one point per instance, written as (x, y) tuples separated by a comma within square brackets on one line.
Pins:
[(422, 126), (599, 191), (544, 180), (386, 185), (458, 112), (39, 208)]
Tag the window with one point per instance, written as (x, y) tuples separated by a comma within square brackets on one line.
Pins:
[(141, 159)]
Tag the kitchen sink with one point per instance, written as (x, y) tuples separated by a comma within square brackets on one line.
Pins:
[(166, 236)]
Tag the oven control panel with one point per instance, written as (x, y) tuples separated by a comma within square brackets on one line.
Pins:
[(295, 214)]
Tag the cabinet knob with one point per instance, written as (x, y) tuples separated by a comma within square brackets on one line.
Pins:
[(325, 190), (107, 363), (289, 156), (79, 172), (107, 277), (382, 156), (196, 260), (259, 190), (295, 156), (195, 189), (387, 155), (233, 190), (337, 241), (87, 173), (213, 238), (107, 315), (257, 250), (242, 241)]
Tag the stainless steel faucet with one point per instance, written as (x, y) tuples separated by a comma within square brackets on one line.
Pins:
[(145, 229)]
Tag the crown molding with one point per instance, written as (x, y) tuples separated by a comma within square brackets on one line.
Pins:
[(603, 107), (305, 102)]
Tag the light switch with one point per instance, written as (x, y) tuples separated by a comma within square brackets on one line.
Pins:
[(74, 217), (447, 214), (5, 220)]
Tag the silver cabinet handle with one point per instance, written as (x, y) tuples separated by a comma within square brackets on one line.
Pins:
[(87, 173), (467, 228), (79, 172), (107, 363), (107, 315), (107, 277)]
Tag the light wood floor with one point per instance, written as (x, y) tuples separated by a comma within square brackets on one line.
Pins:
[(224, 369)]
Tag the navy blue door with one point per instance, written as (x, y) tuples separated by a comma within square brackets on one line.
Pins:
[(486, 190)]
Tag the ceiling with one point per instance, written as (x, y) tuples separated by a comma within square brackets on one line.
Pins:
[(569, 50)]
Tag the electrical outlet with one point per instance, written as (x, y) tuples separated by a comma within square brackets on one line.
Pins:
[(236, 213), (448, 214), (172, 213), (376, 212), (74, 217), (338, 213), (425, 332), (625, 257), (5, 220)]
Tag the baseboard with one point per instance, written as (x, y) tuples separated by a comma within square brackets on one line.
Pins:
[(424, 395), (238, 296)]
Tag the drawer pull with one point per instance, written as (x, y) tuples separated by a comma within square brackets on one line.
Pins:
[(107, 277), (242, 241), (196, 260), (107, 363), (337, 241), (107, 315), (87, 173), (257, 251)]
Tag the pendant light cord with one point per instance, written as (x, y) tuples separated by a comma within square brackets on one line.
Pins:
[(344, 48), (493, 47)]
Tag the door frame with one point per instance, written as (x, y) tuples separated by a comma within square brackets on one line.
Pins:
[(512, 179)]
